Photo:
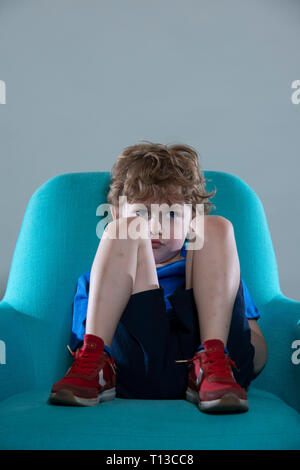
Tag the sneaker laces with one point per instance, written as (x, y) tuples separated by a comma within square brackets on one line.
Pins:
[(86, 362), (217, 364)]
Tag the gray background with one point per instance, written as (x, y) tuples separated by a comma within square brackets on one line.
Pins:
[(86, 78)]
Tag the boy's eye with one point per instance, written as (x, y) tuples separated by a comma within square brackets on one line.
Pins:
[(145, 213), (173, 214), (142, 210)]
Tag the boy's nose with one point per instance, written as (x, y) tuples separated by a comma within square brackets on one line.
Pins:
[(155, 225)]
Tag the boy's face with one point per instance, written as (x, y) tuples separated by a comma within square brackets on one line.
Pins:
[(176, 217)]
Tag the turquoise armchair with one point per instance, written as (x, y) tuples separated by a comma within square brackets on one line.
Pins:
[(58, 240)]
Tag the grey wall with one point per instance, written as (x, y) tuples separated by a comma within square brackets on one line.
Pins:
[(85, 78)]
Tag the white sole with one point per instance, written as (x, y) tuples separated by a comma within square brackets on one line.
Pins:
[(67, 397), (227, 403)]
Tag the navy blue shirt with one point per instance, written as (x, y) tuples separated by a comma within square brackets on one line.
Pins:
[(169, 276)]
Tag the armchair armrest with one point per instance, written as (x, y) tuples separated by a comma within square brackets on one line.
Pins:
[(16, 359), (280, 323)]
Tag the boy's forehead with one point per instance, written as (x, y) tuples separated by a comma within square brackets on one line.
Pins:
[(149, 203), (182, 205)]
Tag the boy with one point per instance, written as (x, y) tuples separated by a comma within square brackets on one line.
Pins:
[(151, 301)]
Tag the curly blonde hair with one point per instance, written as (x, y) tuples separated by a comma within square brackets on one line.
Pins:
[(160, 173)]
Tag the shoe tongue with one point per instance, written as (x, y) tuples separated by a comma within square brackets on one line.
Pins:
[(93, 343), (213, 345)]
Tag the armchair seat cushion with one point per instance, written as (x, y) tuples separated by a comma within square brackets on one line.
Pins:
[(29, 422)]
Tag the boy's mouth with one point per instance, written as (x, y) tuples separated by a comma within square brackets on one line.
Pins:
[(156, 243)]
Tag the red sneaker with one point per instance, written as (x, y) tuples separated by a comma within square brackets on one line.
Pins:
[(90, 379), (211, 383)]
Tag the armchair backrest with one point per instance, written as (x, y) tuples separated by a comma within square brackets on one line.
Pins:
[(60, 234), (239, 203)]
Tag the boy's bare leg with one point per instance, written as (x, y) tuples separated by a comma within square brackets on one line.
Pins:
[(214, 274), (215, 278), (121, 268)]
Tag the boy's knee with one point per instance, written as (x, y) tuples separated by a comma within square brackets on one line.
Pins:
[(217, 225)]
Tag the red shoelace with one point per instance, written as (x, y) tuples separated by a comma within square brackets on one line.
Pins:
[(85, 363), (216, 363)]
